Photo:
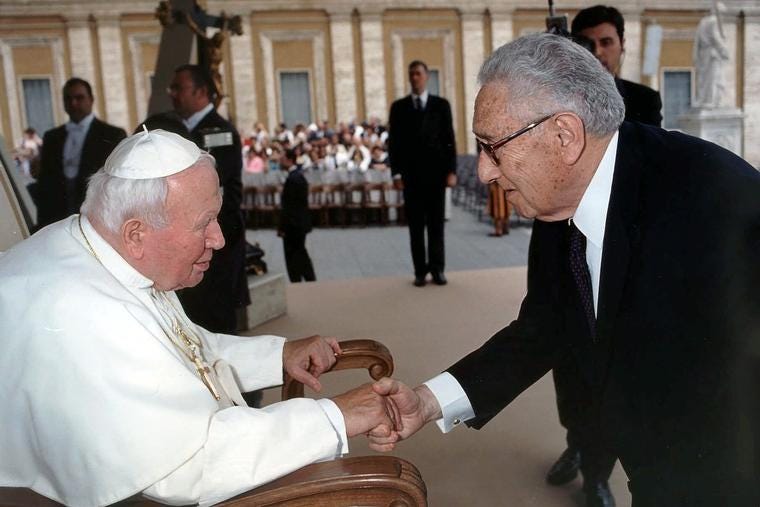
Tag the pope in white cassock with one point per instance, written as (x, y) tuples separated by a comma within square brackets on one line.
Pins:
[(109, 391)]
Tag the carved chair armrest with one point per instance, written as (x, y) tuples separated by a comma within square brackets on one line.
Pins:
[(360, 354), (365, 480)]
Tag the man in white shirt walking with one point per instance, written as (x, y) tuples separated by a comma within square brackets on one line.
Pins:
[(71, 153)]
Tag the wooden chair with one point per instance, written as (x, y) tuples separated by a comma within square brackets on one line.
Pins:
[(267, 205), (353, 203), (372, 481), (394, 200), (333, 203), (249, 206), (317, 204), (374, 201)]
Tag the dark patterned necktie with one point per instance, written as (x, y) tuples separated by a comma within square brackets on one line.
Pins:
[(417, 103), (581, 275)]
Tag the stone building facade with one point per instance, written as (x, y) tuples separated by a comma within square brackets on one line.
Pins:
[(348, 57)]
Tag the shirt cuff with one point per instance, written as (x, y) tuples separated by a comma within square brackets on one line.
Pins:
[(335, 416), (397, 176), (455, 405)]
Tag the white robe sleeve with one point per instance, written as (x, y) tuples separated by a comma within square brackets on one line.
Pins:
[(249, 447), (256, 360)]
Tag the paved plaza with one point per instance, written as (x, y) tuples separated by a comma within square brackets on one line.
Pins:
[(378, 251)]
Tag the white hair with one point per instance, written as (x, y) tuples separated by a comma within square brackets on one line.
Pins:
[(547, 74), (113, 200)]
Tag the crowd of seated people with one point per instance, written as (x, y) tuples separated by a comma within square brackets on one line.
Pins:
[(344, 166)]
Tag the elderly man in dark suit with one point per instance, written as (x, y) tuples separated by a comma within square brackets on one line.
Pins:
[(604, 27), (422, 154), (643, 265), (71, 153), (213, 303)]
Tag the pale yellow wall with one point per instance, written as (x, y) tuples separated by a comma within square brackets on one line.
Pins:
[(5, 120), (293, 21), (361, 107), (134, 24)]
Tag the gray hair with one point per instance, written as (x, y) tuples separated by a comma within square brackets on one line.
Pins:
[(114, 200), (547, 74)]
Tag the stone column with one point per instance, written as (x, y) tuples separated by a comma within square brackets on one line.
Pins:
[(373, 58), (752, 87), (729, 20), (241, 52), (81, 51), (114, 77), (632, 57), (502, 30), (344, 73), (472, 47)]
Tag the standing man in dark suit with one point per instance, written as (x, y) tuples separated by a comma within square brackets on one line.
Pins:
[(643, 265), (605, 27), (71, 153), (213, 303), (295, 220), (422, 154)]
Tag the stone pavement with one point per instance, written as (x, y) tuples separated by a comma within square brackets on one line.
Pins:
[(376, 251)]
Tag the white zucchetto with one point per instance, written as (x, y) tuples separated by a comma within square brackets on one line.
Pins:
[(153, 154)]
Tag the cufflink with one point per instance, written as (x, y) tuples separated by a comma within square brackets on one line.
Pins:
[(456, 421)]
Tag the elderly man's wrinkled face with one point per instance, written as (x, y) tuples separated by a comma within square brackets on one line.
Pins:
[(179, 253), (608, 46), (528, 165)]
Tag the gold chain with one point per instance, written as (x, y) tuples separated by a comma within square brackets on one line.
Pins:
[(92, 250)]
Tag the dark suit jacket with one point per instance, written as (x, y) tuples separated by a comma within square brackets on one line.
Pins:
[(295, 216), (642, 103), (674, 371), (224, 285), (100, 141), (421, 146)]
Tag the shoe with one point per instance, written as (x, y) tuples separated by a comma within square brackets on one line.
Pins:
[(598, 494), (566, 467), (419, 281), (438, 278)]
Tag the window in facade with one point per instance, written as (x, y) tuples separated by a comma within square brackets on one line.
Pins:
[(676, 96), (38, 103), (295, 97)]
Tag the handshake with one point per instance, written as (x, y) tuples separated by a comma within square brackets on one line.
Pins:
[(386, 411)]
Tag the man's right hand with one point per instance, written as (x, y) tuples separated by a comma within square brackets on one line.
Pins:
[(365, 410), (398, 184), (415, 408)]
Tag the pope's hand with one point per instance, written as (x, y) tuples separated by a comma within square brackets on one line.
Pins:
[(308, 358), (415, 407), (364, 410)]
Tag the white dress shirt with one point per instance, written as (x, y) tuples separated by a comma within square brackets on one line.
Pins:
[(590, 218), (72, 147), (195, 118), (423, 98)]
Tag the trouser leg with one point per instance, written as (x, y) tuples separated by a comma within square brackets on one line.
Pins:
[(434, 217), (578, 415), (415, 217)]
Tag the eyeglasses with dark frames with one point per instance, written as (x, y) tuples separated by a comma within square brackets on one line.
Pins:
[(490, 148)]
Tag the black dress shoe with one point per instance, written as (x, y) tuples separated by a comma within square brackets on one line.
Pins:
[(598, 494), (438, 278), (419, 281), (566, 467)]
